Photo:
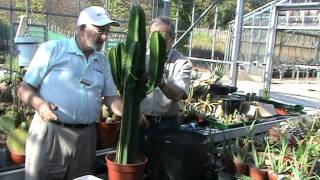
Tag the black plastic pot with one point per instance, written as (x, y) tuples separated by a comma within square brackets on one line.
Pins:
[(230, 104), (216, 89), (178, 155)]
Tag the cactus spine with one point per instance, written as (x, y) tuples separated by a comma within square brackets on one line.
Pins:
[(128, 68)]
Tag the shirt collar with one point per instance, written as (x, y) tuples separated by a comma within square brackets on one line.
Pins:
[(73, 48)]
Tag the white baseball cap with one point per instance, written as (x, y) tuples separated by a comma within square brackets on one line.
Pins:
[(95, 15)]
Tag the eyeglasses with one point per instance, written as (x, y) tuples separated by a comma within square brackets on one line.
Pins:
[(99, 30)]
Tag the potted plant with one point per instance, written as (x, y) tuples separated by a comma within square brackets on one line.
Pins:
[(303, 166), (258, 170), (279, 165), (108, 129), (15, 125), (16, 143), (128, 68), (240, 157)]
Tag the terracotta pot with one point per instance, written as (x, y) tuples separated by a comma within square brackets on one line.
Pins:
[(107, 134), (125, 171), (272, 175), (241, 168), (258, 174), (17, 158), (228, 163), (282, 111), (201, 119)]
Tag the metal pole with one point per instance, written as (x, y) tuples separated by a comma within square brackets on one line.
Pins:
[(259, 37), (27, 6), (270, 50), (11, 40), (46, 37), (192, 26), (268, 34), (106, 2), (177, 21), (227, 49), (166, 8), (192, 21), (214, 34), (153, 9), (237, 43), (250, 46), (157, 8)]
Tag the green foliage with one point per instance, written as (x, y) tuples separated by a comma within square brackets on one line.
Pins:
[(16, 141), (277, 156), (127, 63), (303, 166), (240, 153), (258, 158), (217, 72), (35, 5), (7, 122)]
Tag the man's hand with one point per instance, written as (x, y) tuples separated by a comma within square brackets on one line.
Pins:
[(46, 109), (144, 122)]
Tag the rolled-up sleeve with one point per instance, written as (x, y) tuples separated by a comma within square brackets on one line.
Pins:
[(182, 73)]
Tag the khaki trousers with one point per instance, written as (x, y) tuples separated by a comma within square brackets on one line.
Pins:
[(55, 152)]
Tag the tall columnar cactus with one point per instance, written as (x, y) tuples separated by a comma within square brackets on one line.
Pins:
[(128, 69)]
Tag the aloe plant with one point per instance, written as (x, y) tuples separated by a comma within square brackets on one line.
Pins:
[(278, 163), (303, 166), (240, 153), (16, 141), (127, 63), (258, 159)]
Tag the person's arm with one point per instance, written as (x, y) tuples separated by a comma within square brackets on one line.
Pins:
[(114, 103), (172, 91), (177, 87), (28, 95)]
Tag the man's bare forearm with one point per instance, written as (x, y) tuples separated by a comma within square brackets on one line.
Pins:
[(28, 95)]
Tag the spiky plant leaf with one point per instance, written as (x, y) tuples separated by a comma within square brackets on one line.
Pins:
[(16, 141)]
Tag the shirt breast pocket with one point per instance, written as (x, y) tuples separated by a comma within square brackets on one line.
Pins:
[(98, 79)]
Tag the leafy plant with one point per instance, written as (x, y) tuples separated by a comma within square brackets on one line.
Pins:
[(258, 159), (206, 106), (128, 67), (278, 163), (16, 141), (303, 166), (240, 153), (217, 71)]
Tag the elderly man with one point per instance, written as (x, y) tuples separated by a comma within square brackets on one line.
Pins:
[(65, 84), (162, 107)]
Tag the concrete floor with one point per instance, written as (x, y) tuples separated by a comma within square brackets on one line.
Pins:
[(302, 92)]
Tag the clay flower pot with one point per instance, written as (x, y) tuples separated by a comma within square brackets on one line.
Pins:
[(258, 174), (272, 175), (107, 134), (282, 111), (241, 168), (17, 158), (125, 171), (228, 163)]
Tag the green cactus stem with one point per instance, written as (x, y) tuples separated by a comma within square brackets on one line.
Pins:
[(127, 63)]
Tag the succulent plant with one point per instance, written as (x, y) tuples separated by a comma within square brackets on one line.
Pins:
[(127, 63), (16, 141)]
